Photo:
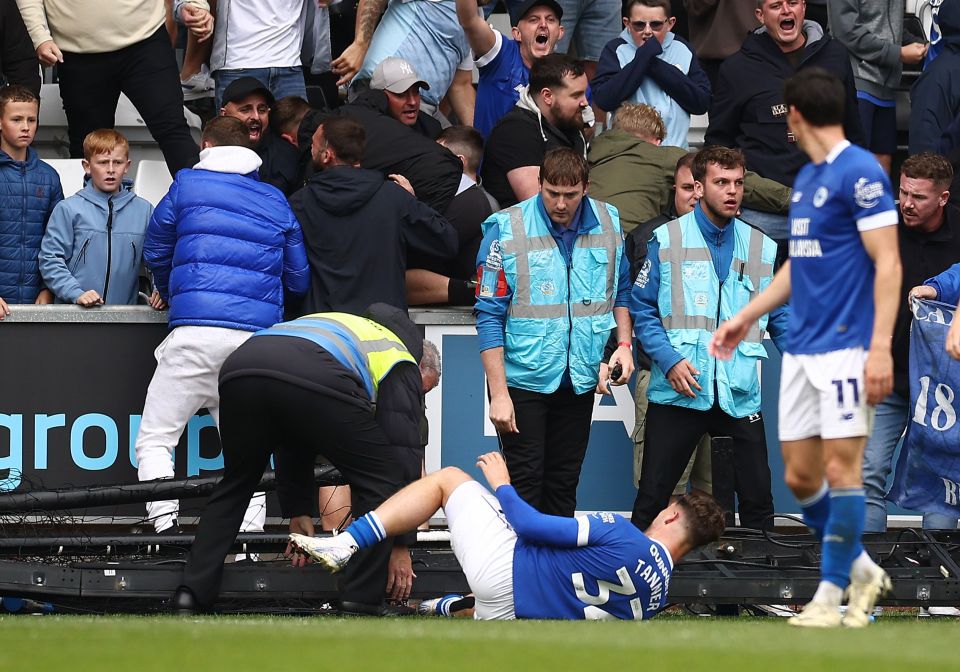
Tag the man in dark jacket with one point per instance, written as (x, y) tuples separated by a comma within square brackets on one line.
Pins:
[(358, 226), (394, 148), (453, 280), (935, 96), (304, 386), (250, 101), (748, 110), (929, 244)]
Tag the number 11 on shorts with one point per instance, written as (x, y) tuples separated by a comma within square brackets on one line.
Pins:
[(854, 390)]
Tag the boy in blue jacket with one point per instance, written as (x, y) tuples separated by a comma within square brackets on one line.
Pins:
[(29, 190), (224, 250), (92, 249)]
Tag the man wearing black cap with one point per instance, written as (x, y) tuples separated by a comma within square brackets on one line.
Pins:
[(505, 64), (248, 100), (349, 385)]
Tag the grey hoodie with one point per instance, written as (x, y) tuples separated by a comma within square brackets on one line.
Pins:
[(872, 31)]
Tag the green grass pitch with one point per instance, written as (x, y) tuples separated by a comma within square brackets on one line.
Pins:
[(142, 644)]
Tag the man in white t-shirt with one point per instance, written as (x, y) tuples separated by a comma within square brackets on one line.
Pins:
[(261, 39)]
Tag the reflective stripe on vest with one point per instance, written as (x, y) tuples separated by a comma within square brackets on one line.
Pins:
[(365, 347), (677, 253), (520, 245)]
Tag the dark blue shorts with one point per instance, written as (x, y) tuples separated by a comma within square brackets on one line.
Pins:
[(879, 127)]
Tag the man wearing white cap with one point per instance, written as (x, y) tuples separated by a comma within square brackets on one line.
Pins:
[(425, 33), (401, 84)]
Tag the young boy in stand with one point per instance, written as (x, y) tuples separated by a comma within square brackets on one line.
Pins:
[(29, 190), (93, 246)]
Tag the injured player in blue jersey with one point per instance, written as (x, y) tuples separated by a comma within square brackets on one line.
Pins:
[(523, 564)]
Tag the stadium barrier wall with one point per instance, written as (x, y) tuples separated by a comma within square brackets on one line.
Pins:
[(74, 382)]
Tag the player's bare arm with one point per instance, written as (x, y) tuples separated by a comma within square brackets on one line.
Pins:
[(883, 247)]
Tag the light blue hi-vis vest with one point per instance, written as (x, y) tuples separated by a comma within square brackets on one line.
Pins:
[(559, 317), (675, 119), (692, 303), (363, 346)]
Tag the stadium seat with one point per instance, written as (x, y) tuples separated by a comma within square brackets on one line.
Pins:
[(71, 174), (152, 181), (698, 128)]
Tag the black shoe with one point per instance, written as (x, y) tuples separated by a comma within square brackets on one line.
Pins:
[(348, 608), (173, 529), (183, 603)]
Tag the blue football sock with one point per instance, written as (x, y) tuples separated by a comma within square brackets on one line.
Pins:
[(841, 538), (367, 530), (816, 510)]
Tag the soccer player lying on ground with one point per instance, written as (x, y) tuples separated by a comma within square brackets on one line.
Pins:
[(521, 563)]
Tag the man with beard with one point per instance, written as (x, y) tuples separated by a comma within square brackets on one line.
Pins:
[(359, 226), (249, 100), (748, 110), (548, 115), (929, 236), (504, 64)]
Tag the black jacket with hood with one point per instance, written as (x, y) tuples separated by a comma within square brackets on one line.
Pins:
[(748, 110), (357, 228), (392, 147), (935, 96)]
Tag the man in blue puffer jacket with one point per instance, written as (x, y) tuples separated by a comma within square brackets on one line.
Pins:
[(29, 190), (224, 249)]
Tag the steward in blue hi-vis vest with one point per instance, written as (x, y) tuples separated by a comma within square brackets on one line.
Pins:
[(692, 302), (364, 347), (560, 316)]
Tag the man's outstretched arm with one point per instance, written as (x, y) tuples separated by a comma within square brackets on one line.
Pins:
[(529, 524)]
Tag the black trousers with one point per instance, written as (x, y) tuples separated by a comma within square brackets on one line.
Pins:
[(671, 436), (545, 457), (260, 416), (91, 84)]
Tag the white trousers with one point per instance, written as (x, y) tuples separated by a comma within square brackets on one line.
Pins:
[(188, 366)]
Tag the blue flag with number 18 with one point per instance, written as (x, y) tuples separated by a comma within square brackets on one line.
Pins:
[(928, 471)]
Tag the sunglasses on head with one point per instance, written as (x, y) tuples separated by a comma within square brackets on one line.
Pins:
[(641, 25)]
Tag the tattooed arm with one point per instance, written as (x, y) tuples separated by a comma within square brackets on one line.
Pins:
[(348, 64)]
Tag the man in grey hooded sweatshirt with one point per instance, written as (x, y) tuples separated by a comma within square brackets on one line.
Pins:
[(872, 31)]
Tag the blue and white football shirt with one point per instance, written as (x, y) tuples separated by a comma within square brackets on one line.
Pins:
[(616, 572), (502, 75), (831, 274)]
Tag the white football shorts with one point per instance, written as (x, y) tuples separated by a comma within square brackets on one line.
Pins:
[(483, 543), (823, 395)]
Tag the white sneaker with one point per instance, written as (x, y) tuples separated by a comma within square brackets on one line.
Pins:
[(817, 615), (330, 553), (863, 596), (779, 610), (949, 612), (199, 85)]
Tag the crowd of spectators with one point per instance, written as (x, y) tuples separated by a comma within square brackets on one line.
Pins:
[(380, 166)]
